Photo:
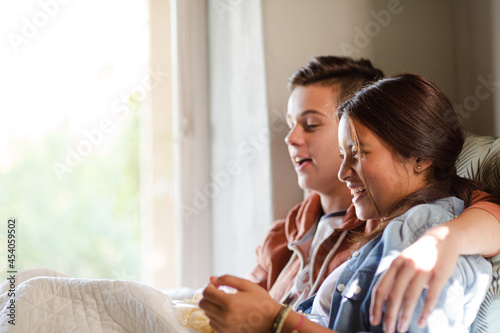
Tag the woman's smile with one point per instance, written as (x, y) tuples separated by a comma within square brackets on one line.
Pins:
[(377, 179), (358, 192)]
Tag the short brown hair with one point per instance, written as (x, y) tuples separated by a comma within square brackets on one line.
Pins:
[(345, 72)]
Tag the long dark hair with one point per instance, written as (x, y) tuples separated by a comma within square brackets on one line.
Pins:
[(415, 119)]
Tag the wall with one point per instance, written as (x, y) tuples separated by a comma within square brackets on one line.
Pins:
[(448, 41), (476, 37), (495, 41), (255, 45)]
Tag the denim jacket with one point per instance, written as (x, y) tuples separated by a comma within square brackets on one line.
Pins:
[(459, 300)]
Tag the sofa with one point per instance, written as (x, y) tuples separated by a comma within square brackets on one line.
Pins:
[(480, 160)]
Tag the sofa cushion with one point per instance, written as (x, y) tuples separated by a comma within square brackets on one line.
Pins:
[(480, 160), (488, 318)]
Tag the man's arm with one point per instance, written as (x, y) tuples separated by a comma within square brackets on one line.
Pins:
[(429, 262), (482, 238)]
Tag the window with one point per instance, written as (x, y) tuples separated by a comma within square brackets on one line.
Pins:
[(78, 168)]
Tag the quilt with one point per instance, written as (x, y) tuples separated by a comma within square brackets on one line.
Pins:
[(62, 304)]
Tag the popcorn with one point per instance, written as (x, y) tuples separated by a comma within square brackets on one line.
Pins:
[(191, 316)]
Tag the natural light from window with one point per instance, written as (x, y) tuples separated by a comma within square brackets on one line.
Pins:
[(74, 79)]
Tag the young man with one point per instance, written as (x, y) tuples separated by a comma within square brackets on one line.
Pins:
[(299, 252)]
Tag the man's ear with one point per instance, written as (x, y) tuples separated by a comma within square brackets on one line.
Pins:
[(421, 164)]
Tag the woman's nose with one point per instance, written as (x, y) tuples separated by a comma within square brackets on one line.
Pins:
[(345, 171)]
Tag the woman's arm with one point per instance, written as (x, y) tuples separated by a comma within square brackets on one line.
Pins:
[(429, 263), (293, 321), (250, 309)]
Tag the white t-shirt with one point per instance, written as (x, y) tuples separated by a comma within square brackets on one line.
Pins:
[(301, 289), (323, 300)]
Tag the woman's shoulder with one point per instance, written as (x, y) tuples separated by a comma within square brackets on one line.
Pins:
[(446, 207), (422, 217)]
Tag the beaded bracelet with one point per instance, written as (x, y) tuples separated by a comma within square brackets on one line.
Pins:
[(280, 319), (277, 319)]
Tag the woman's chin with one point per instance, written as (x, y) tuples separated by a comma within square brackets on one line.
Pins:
[(364, 213)]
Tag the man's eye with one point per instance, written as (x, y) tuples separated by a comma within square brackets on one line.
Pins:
[(311, 127), (341, 156)]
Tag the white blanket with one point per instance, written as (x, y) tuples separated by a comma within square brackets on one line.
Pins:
[(57, 304)]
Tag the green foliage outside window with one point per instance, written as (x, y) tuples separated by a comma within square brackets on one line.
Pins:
[(87, 223)]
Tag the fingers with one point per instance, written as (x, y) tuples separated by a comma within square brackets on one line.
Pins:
[(211, 310), (232, 281), (251, 308), (214, 307), (213, 295), (380, 293), (410, 301), (429, 261), (218, 324), (399, 288), (223, 286), (435, 287)]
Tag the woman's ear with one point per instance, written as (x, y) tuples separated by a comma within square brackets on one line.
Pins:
[(421, 164)]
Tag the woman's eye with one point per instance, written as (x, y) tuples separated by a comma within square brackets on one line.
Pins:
[(355, 153)]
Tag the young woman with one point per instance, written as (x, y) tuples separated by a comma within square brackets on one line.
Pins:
[(400, 171)]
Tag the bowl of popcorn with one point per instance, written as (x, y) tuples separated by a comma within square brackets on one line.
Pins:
[(189, 315)]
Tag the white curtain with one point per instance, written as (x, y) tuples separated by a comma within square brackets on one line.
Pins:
[(240, 135)]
